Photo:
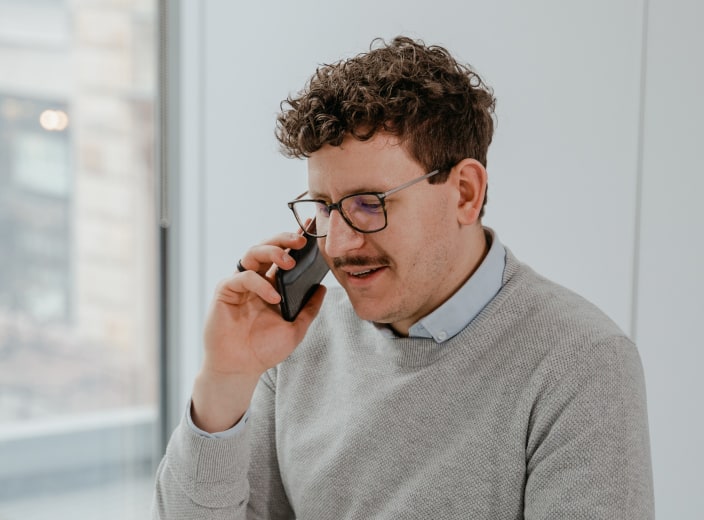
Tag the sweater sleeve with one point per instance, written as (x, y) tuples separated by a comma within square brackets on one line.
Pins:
[(203, 478), (268, 499), (588, 453)]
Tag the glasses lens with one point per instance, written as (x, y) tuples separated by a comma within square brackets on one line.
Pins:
[(365, 212), (306, 211)]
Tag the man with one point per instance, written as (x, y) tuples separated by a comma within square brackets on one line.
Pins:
[(445, 379)]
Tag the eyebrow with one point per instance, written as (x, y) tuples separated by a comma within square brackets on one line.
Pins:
[(313, 194), (316, 195)]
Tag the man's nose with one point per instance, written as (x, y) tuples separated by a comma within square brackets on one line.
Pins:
[(341, 238)]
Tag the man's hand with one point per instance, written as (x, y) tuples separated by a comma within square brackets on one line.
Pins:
[(245, 334)]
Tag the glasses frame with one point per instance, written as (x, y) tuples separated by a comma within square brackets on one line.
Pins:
[(338, 205)]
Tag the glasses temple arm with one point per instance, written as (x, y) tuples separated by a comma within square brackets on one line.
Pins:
[(407, 184)]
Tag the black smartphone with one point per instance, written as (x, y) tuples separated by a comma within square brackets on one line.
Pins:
[(297, 285)]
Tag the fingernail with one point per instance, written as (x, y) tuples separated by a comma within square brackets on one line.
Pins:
[(287, 258)]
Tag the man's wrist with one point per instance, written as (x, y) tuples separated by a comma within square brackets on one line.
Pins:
[(225, 434), (221, 400)]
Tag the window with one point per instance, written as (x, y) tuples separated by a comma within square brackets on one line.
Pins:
[(78, 255), (35, 203)]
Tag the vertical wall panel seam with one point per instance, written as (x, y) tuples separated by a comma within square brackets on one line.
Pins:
[(163, 199), (202, 161), (639, 172)]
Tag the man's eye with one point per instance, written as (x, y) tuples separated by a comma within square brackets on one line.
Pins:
[(371, 206), (368, 204)]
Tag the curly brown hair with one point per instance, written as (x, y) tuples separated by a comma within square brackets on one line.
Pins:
[(441, 109)]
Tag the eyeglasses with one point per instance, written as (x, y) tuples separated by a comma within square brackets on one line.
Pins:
[(364, 212)]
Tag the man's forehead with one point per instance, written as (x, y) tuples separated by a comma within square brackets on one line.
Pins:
[(343, 186)]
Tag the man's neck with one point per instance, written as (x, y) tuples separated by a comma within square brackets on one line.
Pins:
[(470, 257)]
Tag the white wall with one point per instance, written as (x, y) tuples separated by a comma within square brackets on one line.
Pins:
[(670, 308), (590, 182)]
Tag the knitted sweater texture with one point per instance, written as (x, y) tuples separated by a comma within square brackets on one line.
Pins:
[(535, 410)]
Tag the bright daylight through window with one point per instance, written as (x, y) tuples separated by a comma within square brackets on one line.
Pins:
[(78, 257)]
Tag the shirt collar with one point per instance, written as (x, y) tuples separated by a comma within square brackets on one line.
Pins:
[(464, 305)]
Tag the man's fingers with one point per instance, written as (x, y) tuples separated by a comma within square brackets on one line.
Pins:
[(274, 251), (262, 257), (241, 286)]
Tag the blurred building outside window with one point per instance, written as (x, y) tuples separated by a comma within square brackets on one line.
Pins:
[(78, 258)]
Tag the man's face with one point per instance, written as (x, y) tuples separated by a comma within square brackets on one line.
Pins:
[(402, 273)]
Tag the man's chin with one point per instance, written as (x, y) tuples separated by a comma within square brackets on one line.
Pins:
[(371, 311), (366, 312)]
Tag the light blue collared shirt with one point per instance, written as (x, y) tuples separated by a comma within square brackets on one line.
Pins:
[(462, 307)]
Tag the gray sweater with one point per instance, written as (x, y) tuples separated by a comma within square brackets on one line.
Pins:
[(535, 410)]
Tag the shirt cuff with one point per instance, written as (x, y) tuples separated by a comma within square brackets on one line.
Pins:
[(235, 430)]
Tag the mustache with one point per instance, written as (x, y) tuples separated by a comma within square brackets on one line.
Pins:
[(342, 261)]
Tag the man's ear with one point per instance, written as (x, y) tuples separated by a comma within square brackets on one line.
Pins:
[(471, 180)]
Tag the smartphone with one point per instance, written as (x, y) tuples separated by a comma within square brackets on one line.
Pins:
[(297, 285)]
